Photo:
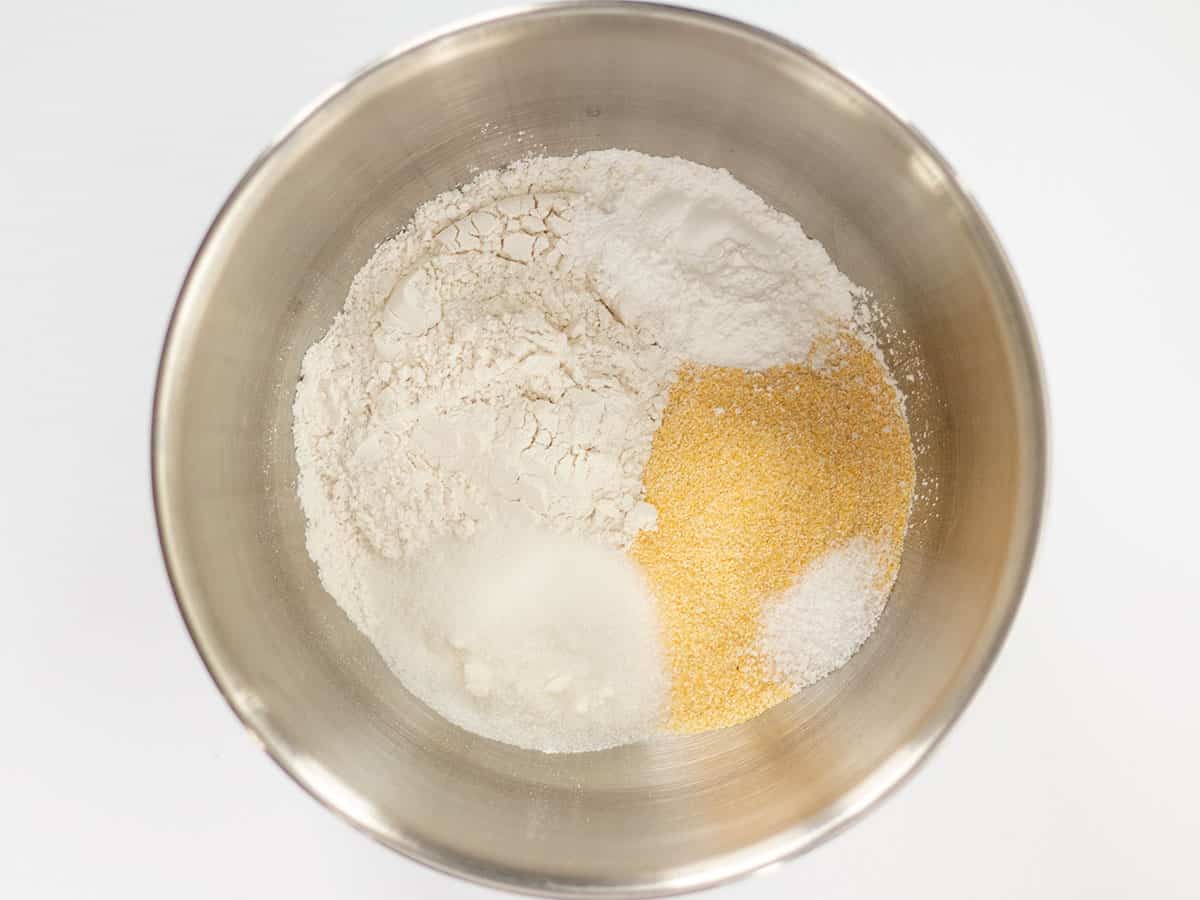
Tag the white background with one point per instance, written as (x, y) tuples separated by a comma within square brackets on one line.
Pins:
[(1073, 774)]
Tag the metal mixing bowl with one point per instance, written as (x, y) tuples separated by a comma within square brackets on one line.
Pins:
[(681, 812)]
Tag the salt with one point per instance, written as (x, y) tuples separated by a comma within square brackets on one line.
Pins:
[(818, 624)]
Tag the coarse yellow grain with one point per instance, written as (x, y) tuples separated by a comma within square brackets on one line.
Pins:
[(755, 475)]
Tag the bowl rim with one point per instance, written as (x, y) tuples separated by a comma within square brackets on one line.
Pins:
[(905, 761)]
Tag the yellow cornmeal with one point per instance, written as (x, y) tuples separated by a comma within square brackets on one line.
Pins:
[(755, 475)]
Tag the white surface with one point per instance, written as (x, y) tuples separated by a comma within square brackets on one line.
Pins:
[(1073, 774)]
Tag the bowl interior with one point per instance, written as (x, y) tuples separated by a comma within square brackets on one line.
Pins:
[(678, 812)]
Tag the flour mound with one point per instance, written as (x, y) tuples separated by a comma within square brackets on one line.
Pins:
[(469, 378)]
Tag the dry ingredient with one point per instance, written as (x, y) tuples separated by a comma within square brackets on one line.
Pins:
[(818, 623), (466, 378), (756, 476), (474, 386), (543, 640), (474, 441), (701, 264)]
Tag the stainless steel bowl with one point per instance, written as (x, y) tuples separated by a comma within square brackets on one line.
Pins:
[(677, 813)]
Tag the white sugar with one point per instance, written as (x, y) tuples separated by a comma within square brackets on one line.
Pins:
[(547, 641)]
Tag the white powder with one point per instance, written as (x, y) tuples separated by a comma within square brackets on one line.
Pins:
[(500, 367), (697, 261), (822, 620), (468, 377)]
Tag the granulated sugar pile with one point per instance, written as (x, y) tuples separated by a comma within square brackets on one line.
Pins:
[(597, 449)]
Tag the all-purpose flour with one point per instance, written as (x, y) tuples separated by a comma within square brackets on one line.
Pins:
[(494, 381)]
